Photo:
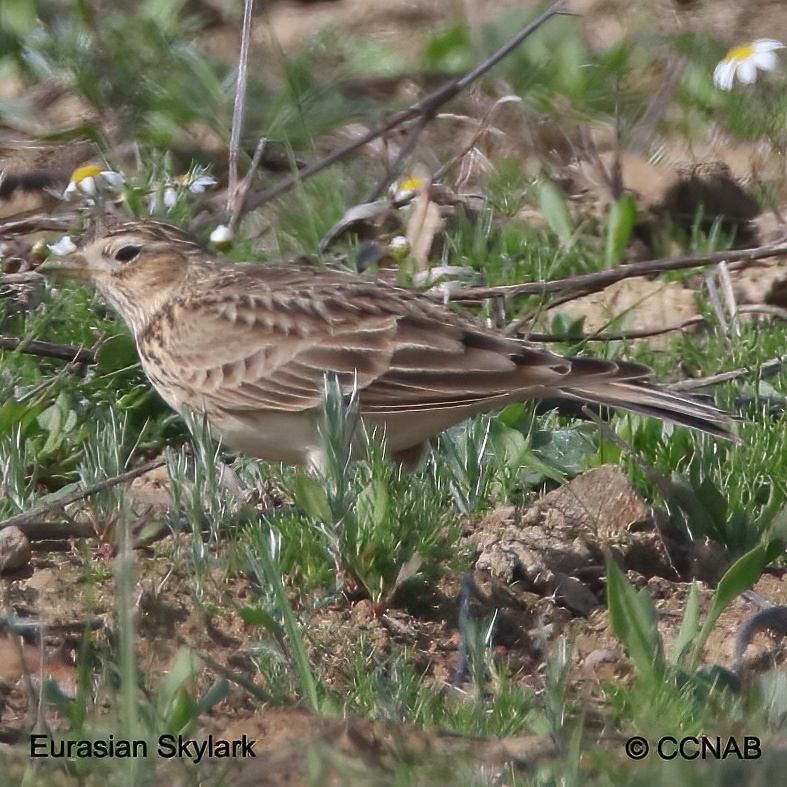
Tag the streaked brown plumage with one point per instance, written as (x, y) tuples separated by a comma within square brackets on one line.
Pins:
[(250, 345)]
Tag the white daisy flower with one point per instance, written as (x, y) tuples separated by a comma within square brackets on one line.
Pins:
[(405, 188), (170, 197), (744, 61), (196, 180), (222, 235), (154, 199), (165, 194), (399, 246), (88, 181), (199, 183), (81, 185), (62, 247), (113, 180)]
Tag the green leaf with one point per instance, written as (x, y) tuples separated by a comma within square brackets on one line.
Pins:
[(15, 415), (699, 519), (553, 208), (408, 570), (563, 449), (374, 503), (565, 325), (311, 496), (71, 421), (740, 576), (116, 353), (633, 618), (609, 452), (254, 616), (53, 497), (622, 218), (509, 444), (135, 398), (616, 59), (531, 461), (714, 503), (18, 16), (265, 558), (450, 49), (772, 520), (164, 12), (182, 712), (512, 415), (214, 695), (689, 627), (51, 419), (176, 705), (572, 56)]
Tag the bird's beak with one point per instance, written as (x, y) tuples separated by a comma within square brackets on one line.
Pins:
[(72, 265)]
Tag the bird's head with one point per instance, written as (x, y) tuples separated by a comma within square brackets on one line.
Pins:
[(138, 266)]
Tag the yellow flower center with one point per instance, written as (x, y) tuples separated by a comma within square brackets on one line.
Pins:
[(741, 53), (79, 174), (411, 183)]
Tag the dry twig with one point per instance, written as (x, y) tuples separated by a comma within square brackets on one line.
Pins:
[(30, 224), (425, 109), (37, 512), (616, 337), (763, 308), (63, 352), (237, 110), (56, 531), (592, 282), (767, 368)]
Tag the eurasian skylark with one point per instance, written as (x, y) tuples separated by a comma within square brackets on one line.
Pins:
[(251, 344)]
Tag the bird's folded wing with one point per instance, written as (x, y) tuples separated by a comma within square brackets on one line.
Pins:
[(260, 351)]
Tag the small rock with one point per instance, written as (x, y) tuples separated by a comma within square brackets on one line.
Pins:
[(43, 580), (556, 547), (14, 549), (599, 504), (574, 595), (602, 663)]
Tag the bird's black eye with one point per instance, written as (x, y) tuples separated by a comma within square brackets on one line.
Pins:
[(127, 253)]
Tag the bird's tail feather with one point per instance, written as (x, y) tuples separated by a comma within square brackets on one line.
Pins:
[(659, 402)]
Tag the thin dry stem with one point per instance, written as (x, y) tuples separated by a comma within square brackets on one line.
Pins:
[(593, 282), (426, 109), (37, 512), (237, 111), (63, 352)]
